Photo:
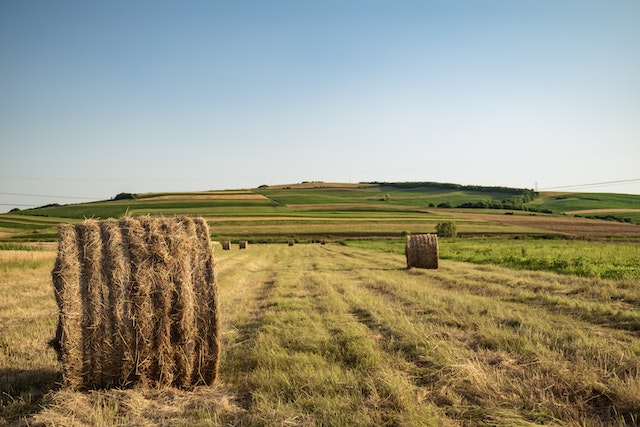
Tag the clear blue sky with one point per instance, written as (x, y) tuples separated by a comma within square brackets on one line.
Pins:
[(103, 97)]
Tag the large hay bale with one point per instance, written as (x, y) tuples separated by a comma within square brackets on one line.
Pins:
[(138, 303), (422, 251), (242, 244), (226, 245)]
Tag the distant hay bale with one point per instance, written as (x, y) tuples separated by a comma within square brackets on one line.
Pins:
[(138, 303), (242, 244), (322, 242), (421, 251), (226, 245), (290, 242)]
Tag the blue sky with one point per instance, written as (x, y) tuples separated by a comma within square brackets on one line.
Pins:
[(99, 98)]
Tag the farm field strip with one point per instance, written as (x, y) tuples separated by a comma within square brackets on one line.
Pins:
[(437, 339), (564, 225), (336, 335)]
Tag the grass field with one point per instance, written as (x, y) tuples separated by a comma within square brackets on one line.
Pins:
[(532, 318), (338, 335), (613, 260)]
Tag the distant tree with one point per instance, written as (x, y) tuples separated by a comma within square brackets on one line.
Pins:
[(446, 229), (125, 196), (14, 210), (444, 205)]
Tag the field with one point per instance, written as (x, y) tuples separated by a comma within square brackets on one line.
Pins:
[(313, 211), (338, 335), (532, 318)]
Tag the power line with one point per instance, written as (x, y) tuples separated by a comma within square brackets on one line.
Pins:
[(42, 195), (17, 204), (594, 184)]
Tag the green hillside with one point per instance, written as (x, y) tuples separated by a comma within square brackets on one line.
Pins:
[(319, 209), (567, 202)]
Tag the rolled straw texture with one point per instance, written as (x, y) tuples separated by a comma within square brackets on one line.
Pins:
[(422, 251), (138, 303)]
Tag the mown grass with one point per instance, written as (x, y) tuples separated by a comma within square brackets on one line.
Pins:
[(335, 335), (28, 313), (22, 259)]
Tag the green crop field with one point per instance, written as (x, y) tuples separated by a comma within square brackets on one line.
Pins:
[(311, 211), (338, 335)]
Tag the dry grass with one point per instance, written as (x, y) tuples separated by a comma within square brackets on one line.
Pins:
[(23, 259), (140, 407), (332, 335)]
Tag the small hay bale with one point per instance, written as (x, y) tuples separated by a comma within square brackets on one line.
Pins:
[(421, 251), (138, 303), (290, 242), (226, 245), (322, 242), (242, 244)]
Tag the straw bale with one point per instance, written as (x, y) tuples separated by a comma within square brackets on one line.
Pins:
[(226, 245), (138, 303), (290, 242), (421, 251), (183, 326), (118, 327), (208, 343), (242, 244), (66, 281)]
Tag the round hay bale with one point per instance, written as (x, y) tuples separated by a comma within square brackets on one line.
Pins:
[(226, 245), (242, 244), (138, 303), (290, 242), (421, 251)]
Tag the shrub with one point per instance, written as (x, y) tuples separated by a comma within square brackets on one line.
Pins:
[(446, 229)]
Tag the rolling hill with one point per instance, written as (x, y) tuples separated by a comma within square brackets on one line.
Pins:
[(313, 210)]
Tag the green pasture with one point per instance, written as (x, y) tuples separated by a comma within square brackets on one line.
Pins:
[(612, 260), (566, 202), (392, 195)]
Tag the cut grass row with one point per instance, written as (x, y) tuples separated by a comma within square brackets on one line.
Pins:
[(335, 335)]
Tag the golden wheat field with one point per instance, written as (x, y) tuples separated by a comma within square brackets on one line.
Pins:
[(333, 335)]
